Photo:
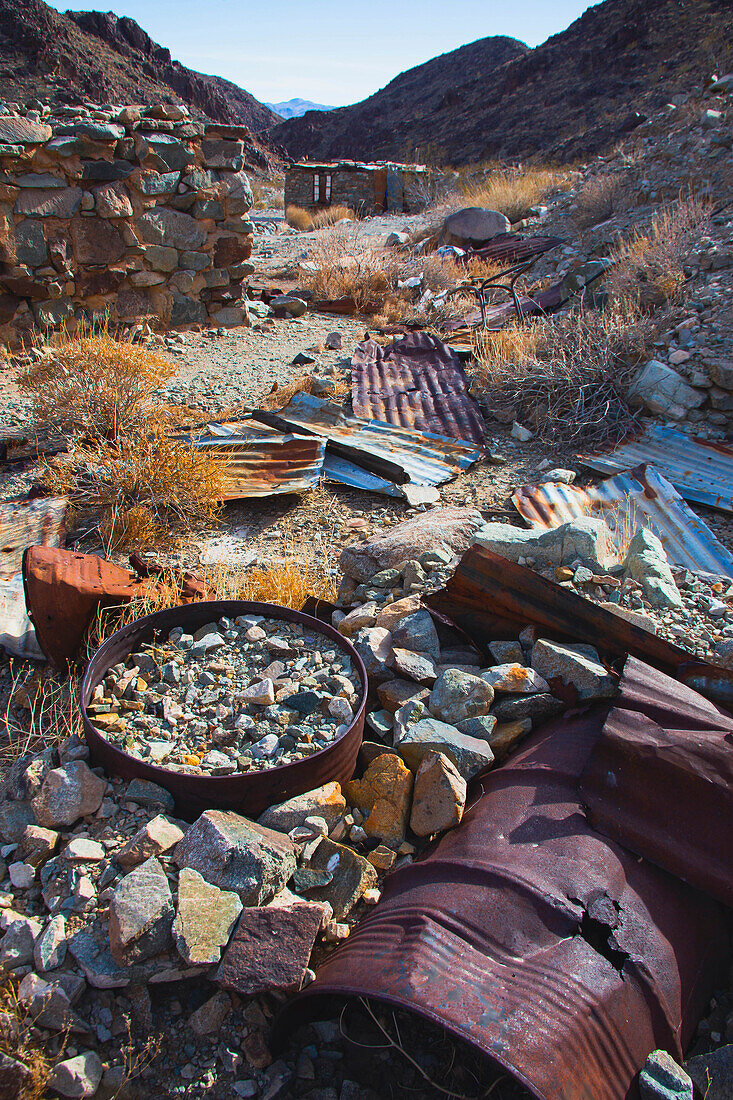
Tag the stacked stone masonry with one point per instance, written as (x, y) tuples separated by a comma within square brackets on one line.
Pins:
[(125, 213)]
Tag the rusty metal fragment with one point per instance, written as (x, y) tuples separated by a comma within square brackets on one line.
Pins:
[(511, 248), (416, 382), (491, 597), (260, 461), (64, 589), (398, 454), (23, 522), (660, 780), (551, 949), (639, 497)]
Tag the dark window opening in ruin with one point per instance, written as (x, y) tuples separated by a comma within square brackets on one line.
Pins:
[(316, 188)]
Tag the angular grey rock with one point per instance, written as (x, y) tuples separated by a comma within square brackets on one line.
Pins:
[(451, 529), (540, 708), (588, 539), (647, 563), (374, 645), (68, 793), (236, 854), (15, 817), (204, 919), (236, 193), (50, 948), (482, 726), (419, 667), (469, 754), (458, 695), (352, 875), (712, 1073), (16, 947), (148, 794), (17, 1079), (514, 678), (77, 1077), (271, 948), (48, 202), (152, 839), (187, 311), (47, 1002), (417, 633), (37, 844), (112, 201), (140, 914), (208, 1019), (171, 228), (578, 665), (18, 130), (326, 802), (30, 243), (664, 391), (161, 258), (662, 1079)]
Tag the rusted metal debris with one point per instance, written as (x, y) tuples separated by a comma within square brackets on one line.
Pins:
[(660, 780), (639, 497), (260, 461), (551, 949), (511, 248), (498, 316), (64, 589), (23, 522), (415, 382), (491, 597), (397, 454), (248, 793), (700, 469)]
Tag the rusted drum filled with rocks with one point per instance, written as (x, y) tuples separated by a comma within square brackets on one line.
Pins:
[(226, 704)]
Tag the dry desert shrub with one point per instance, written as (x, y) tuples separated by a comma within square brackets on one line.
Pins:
[(343, 270), (298, 218), (95, 385), (280, 396), (649, 267), (597, 199), (511, 191), (146, 488), (567, 378), (332, 214), (17, 1041)]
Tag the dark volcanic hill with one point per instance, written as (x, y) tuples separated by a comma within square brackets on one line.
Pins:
[(572, 96), (67, 58)]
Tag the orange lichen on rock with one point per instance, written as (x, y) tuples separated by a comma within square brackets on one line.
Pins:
[(384, 794)]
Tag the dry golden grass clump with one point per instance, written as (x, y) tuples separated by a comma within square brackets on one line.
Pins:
[(146, 487), (511, 191), (280, 396), (597, 199), (304, 220), (95, 385), (18, 1042), (649, 267)]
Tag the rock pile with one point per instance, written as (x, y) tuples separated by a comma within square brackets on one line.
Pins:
[(234, 696), (130, 212)]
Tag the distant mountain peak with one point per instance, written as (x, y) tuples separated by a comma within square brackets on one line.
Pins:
[(294, 108)]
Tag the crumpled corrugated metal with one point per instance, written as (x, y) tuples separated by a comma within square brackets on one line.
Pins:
[(700, 469), (548, 947), (398, 454), (259, 461), (416, 382), (23, 522), (639, 498)]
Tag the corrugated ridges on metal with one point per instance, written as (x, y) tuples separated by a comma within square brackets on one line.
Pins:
[(641, 492), (700, 469), (418, 382)]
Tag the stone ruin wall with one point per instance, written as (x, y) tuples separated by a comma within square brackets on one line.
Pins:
[(121, 213)]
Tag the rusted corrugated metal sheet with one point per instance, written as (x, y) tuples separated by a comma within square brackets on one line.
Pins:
[(416, 382), (23, 523), (700, 469), (511, 248), (660, 780), (491, 597), (551, 949), (261, 462), (394, 453), (639, 498), (64, 589)]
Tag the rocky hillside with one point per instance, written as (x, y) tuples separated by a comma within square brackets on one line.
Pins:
[(66, 58), (573, 96)]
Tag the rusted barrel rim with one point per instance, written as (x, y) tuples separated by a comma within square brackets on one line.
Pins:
[(124, 642)]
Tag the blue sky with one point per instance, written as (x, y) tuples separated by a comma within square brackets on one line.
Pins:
[(329, 51)]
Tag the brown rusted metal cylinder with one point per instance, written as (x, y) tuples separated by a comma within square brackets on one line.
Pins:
[(248, 793)]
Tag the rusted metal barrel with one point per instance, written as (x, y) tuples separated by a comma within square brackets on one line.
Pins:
[(248, 793)]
